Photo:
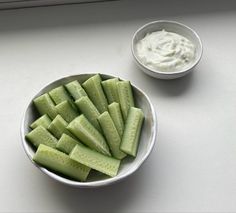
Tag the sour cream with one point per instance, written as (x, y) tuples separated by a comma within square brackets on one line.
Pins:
[(165, 51)]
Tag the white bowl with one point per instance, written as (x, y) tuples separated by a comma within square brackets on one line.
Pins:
[(128, 166), (171, 26)]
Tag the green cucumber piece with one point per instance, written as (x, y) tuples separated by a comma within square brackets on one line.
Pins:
[(87, 108), (44, 121), (95, 160), (111, 134), (75, 89), (58, 127), (95, 92), (110, 89), (59, 95), (130, 139), (88, 134), (40, 135), (66, 143), (116, 115), (60, 162), (45, 105), (125, 96), (66, 110)]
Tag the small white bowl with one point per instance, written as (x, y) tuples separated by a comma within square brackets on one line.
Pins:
[(171, 26), (128, 166)]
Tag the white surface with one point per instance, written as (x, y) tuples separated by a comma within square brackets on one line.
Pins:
[(193, 166)]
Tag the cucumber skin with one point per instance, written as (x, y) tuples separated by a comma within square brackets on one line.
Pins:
[(130, 139), (88, 134), (75, 89), (58, 127), (66, 143), (125, 96), (40, 135), (116, 115), (111, 134), (86, 107), (66, 110), (59, 95), (110, 89), (44, 121), (95, 92), (95, 160), (45, 105), (60, 162)]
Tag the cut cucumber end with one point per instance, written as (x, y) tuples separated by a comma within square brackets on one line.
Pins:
[(75, 89), (88, 134), (95, 160), (44, 121), (86, 107), (125, 96), (66, 143), (111, 134), (59, 94), (132, 131), (60, 162), (66, 110), (95, 92), (45, 105), (58, 127), (110, 89), (116, 115), (40, 135)]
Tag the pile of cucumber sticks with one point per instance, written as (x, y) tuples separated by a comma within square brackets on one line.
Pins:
[(93, 125)]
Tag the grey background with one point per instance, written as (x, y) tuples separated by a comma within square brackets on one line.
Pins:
[(193, 165), (9, 4)]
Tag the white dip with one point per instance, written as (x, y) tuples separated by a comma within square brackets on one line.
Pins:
[(165, 51)]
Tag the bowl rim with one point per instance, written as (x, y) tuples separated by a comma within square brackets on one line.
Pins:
[(169, 72), (97, 183)]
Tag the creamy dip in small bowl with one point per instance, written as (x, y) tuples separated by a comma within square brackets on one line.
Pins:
[(166, 49)]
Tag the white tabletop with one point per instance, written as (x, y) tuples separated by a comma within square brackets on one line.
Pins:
[(193, 165)]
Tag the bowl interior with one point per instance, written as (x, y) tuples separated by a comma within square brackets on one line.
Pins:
[(128, 165), (170, 26)]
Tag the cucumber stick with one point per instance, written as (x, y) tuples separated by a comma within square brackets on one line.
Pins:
[(44, 121), (130, 139), (125, 96), (75, 89), (45, 105), (40, 135), (59, 95), (95, 92), (87, 108), (110, 89), (99, 138), (66, 143), (60, 162), (116, 115), (111, 134), (58, 127), (88, 134), (95, 160), (66, 110)]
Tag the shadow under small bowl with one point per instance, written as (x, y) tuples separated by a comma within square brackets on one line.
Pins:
[(128, 166), (170, 26)]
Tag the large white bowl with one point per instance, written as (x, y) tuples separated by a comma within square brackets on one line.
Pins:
[(171, 26), (128, 166)]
